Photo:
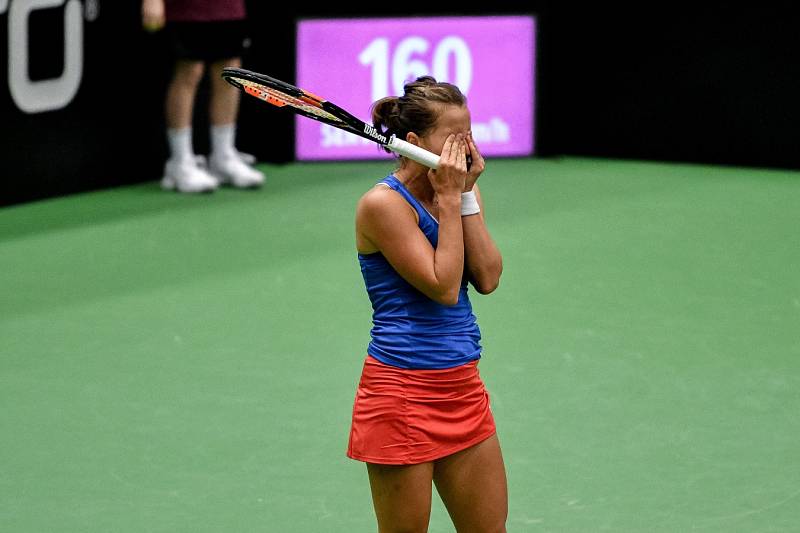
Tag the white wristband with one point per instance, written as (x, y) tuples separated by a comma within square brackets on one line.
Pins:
[(469, 204)]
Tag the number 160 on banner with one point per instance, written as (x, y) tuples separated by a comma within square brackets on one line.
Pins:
[(358, 61)]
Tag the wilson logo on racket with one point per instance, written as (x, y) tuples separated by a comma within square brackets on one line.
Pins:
[(375, 134)]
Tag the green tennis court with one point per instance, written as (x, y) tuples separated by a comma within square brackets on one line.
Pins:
[(173, 363)]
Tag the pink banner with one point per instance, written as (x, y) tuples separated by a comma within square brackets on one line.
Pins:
[(354, 62)]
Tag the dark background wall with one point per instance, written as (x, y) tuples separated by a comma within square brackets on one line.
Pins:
[(709, 84), (108, 135)]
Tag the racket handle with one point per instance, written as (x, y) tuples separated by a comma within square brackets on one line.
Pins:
[(411, 151)]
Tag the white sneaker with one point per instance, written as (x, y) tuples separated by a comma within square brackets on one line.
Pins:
[(230, 169), (249, 159), (187, 176)]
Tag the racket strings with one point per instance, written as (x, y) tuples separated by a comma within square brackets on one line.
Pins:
[(280, 99)]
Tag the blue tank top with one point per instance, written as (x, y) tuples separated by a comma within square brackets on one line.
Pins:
[(409, 329)]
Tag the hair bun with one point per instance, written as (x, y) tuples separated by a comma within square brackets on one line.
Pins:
[(417, 110), (419, 83)]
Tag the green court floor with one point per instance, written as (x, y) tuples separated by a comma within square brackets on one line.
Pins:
[(175, 363)]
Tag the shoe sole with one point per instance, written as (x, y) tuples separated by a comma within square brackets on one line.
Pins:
[(224, 180), (169, 184)]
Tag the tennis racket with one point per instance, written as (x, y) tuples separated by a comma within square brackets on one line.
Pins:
[(282, 94)]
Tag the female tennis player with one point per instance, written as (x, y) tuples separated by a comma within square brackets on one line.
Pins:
[(421, 413)]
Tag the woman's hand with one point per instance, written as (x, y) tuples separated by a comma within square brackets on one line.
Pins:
[(450, 178), (478, 164)]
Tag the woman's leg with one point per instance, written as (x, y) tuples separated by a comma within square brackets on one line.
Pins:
[(472, 485), (401, 496)]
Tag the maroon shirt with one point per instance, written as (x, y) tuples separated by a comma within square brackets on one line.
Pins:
[(204, 10)]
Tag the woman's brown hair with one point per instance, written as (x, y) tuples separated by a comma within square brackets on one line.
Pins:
[(417, 109)]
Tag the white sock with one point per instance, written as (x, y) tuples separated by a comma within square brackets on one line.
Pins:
[(222, 140), (180, 143)]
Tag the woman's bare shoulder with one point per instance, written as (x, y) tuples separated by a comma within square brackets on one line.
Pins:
[(377, 194), (380, 200)]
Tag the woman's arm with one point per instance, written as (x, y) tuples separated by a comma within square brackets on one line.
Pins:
[(387, 223), (483, 260)]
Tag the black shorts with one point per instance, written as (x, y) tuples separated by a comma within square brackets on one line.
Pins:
[(208, 41)]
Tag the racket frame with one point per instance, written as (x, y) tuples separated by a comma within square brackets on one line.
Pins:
[(307, 104)]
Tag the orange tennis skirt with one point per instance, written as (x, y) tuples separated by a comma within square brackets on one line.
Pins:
[(405, 417)]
